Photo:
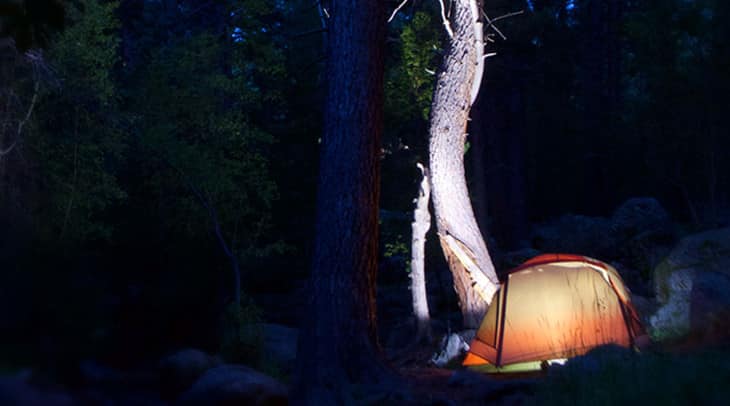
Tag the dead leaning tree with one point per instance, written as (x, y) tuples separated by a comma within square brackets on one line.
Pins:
[(457, 85), (458, 82)]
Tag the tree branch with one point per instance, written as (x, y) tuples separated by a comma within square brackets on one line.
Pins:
[(205, 201), (490, 22), (310, 32), (21, 124), (479, 43), (397, 9), (445, 19)]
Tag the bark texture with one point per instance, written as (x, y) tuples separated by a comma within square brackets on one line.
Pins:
[(338, 341), (475, 279), (420, 226)]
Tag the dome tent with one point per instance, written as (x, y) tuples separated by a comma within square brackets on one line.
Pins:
[(553, 307)]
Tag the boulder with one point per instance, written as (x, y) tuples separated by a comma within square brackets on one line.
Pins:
[(644, 251), (644, 233), (691, 285), (17, 391), (644, 306), (671, 319), (576, 234), (280, 344), (596, 360), (638, 215), (452, 346), (710, 307), (180, 370), (636, 280), (235, 384)]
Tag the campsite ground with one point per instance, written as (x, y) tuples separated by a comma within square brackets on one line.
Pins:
[(693, 369), (683, 372)]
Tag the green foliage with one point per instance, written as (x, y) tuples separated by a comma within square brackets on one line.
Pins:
[(259, 59), (31, 23), (197, 132), (420, 49), (409, 84), (87, 50), (409, 80), (674, 67), (396, 248), (78, 139), (649, 378)]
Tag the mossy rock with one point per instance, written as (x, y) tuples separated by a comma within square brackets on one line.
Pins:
[(696, 256)]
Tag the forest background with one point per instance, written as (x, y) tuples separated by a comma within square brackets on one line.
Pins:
[(150, 151)]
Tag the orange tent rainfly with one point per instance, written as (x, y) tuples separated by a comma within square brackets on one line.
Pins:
[(551, 308)]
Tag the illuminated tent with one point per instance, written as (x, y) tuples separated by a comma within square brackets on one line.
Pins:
[(553, 307)]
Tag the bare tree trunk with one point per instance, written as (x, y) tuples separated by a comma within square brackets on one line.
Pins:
[(420, 226), (475, 279)]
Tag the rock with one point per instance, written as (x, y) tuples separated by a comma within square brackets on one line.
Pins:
[(710, 307), (644, 306), (94, 373), (16, 391), (596, 360), (235, 384), (638, 215), (576, 234), (645, 250), (280, 344), (693, 275), (180, 370), (452, 346), (634, 279), (671, 320), (119, 396)]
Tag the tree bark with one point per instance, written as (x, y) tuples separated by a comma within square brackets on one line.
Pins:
[(338, 341), (420, 226), (475, 279)]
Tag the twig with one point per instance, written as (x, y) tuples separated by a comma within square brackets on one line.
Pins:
[(508, 15), (310, 32), (25, 119), (479, 43), (490, 22), (397, 9), (206, 201), (445, 19), (30, 108)]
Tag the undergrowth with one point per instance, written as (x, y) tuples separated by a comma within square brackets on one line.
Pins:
[(649, 378)]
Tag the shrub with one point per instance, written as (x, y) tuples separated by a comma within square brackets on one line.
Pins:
[(652, 378)]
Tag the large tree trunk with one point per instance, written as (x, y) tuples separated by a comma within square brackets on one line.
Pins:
[(338, 341), (475, 279)]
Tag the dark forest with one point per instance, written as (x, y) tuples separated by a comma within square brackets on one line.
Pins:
[(322, 202)]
